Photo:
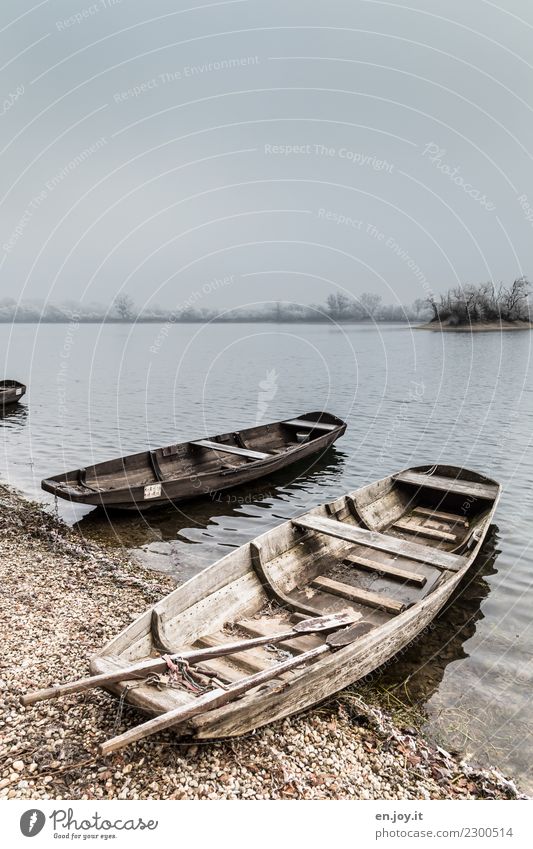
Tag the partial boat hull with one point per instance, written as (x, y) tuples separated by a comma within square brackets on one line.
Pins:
[(11, 392)]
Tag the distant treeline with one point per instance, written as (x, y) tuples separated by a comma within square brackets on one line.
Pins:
[(483, 303), (463, 305), (338, 307)]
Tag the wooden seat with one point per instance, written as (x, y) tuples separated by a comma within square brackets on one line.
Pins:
[(453, 485), (263, 627), (374, 539), (308, 424), (421, 530), (391, 570), (370, 599), (222, 669), (231, 449), (441, 516), (251, 660)]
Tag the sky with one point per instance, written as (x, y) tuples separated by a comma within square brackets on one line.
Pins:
[(240, 152)]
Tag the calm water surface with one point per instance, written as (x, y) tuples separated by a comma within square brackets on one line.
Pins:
[(409, 397)]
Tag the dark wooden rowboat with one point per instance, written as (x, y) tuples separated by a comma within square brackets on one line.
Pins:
[(391, 553), (11, 391), (202, 467)]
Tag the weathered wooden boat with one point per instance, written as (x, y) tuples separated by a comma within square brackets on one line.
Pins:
[(201, 467), (11, 391), (383, 559)]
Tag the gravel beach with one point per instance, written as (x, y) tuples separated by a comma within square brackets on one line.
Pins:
[(64, 597)]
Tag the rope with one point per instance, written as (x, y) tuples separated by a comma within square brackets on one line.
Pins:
[(280, 653), (120, 708), (152, 680), (181, 674)]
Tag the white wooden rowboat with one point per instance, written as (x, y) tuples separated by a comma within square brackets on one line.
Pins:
[(390, 554)]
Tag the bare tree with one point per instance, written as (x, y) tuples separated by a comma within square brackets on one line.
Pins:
[(339, 305), (471, 304), (124, 307), (370, 302), (515, 301)]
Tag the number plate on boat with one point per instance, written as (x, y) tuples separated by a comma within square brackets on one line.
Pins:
[(152, 491), (19, 392)]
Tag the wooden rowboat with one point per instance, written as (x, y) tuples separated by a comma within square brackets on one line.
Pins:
[(387, 557), (201, 467), (11, 391)]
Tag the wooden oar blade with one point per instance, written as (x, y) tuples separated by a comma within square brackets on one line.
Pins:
[(327, 623), (348, 635)]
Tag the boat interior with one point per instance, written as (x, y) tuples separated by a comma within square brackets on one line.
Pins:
[(375, 552), (216, 454)]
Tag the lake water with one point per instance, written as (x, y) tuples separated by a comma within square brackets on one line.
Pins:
[(409, 397)]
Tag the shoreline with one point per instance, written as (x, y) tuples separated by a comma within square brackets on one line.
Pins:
[(67, 596), (479, 327)]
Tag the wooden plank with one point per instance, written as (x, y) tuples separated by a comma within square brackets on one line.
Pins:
[(270, 588), (223, 669), (251, 660), (373, 539), (325, 602), (231, 449), (420, 530), (156, 468), (387, 569), (307, 423), (452, 485), (390, 605), (264, 627), (164, 699), (441, 515), (347, 635)]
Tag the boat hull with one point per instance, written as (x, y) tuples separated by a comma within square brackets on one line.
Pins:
[(229, 583), (192, 483)]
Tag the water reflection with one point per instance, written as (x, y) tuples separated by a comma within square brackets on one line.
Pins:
[(14, 415)]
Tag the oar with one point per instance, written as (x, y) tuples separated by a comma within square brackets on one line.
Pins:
[(159, 664), (218, 697)]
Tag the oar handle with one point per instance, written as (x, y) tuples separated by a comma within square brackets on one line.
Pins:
[(126, 673)]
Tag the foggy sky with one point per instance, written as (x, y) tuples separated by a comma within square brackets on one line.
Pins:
[(302, 147)]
